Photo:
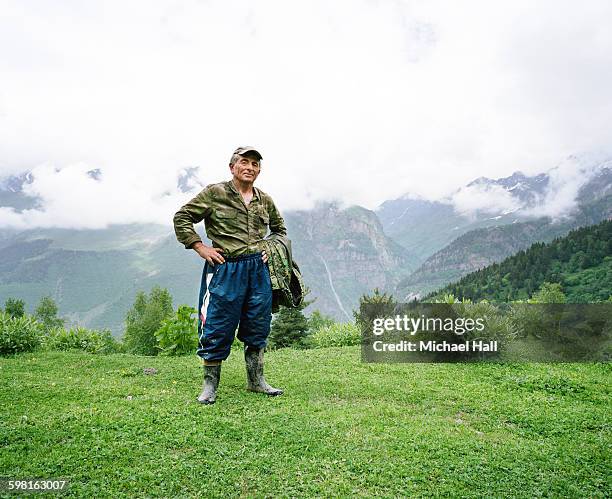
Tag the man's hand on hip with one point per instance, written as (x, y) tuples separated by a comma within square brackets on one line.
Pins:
[(211, 255)]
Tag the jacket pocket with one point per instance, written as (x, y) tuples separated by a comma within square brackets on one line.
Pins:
[(226, 213), (225, 221)]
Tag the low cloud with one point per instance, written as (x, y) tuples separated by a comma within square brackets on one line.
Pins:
[(353, 99), (558, 200), (561, 195), (491, 199), (73, 197)]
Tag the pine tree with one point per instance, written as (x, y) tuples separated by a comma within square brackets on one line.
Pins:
[(289, 329)]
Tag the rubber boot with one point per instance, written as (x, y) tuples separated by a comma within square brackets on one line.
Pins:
[(256, 382), (212, 374)]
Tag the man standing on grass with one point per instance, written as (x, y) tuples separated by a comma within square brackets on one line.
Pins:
[(235, 289)]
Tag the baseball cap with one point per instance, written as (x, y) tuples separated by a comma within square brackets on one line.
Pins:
[(244, 149)]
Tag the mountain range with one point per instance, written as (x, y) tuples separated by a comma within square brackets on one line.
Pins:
[(407, 246)]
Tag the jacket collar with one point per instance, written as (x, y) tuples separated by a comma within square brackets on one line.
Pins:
[(232, 187)]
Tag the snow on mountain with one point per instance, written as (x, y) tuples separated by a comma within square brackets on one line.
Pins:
[(554, 193)]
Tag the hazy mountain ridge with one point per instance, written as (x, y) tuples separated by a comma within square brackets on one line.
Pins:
[(525, 187), (343, 252), (94, 275), (78, 280), (482, 247), (425, 226), (12, 192)]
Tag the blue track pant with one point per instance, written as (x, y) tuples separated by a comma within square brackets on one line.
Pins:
[(236, 292)]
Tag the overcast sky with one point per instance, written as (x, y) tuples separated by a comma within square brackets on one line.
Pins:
[(358, 100)]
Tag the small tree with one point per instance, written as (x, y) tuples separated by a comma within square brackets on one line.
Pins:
[(46, 313), (317, 321), (549, 293), (14, 307), (290, 327), (371, 307), (144, 319)]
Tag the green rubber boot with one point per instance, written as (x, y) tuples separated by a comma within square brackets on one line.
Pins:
[(212, 374), (256, 382)]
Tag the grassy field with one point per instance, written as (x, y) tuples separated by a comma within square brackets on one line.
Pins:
[(342, 428)]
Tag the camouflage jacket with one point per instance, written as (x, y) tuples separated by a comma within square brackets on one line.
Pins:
[(230, 224), (287, 285)]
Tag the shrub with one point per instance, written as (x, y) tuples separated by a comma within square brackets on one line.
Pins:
[(317, 321), (145, 318), (80, 338), (498, 326), (336, 335), (540, 321), (14, 307), (178, 334), (19, 334), (372, 307), (549, 293), (46, 313), (486, 323)]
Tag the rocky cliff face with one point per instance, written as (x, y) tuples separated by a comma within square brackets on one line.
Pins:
[(344, 253), (94, 275)]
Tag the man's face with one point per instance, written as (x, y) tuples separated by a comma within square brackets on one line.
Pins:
[(246, 169)]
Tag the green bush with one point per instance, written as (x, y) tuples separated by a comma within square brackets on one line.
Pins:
[(317, 321), (539, 321), (144, 319), (19, 334), (14, 307), (46, 314), (178, 334), (80, 338), (498, 326), (336, 335), (372, 307), (549, 293)]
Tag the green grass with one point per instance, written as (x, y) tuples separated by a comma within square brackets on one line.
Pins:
[(342, 427)]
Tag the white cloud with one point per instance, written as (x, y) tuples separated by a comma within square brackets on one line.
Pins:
[(492, 199), (352, 99), (72, 198), (558, 199), (565, 181)]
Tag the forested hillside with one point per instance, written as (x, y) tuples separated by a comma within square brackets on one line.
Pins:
[(581, 262), (482, 247)]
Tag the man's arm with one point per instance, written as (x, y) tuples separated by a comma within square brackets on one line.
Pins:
[(191, 213)]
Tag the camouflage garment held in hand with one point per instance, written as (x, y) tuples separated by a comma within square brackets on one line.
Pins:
[(287, 285)]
